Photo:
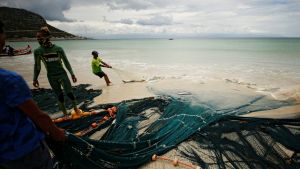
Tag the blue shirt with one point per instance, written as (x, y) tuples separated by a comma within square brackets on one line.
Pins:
[(18, 134)]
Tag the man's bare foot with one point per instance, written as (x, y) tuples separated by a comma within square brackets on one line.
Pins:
[(65, 117), (77, 111), (109, 84)]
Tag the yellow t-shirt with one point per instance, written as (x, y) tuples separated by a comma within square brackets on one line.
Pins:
[(96, 65)]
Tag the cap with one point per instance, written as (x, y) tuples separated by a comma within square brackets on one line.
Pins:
[(94, 53)]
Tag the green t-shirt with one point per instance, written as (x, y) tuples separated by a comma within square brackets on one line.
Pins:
[(96, 65), (52, 58)]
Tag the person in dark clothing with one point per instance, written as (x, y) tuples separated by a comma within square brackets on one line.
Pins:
[(23, 125), (53, 56)]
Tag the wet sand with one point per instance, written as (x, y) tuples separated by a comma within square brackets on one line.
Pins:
[(119, 92)]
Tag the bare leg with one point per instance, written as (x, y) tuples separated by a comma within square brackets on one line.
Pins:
[(74, 103), (108, 82)]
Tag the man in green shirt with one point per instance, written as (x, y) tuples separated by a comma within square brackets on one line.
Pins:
[(97, 63), (52, 56)]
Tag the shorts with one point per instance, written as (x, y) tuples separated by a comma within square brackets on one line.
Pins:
[(100, 74)]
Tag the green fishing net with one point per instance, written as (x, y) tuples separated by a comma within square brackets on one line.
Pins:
[(204, 133)]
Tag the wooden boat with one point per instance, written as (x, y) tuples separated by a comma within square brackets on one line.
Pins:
[(17, 52)]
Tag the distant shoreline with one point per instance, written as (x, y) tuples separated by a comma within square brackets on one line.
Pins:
[(53, 39), (203, 38)]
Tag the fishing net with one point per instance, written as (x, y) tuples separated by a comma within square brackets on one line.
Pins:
[(240, 142), (141, 128), (203, 133), (47, 101)]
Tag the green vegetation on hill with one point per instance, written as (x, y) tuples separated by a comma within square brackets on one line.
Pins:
[(23, 24)]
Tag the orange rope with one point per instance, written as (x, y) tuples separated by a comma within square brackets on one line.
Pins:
[(175, 162), (111, 114)]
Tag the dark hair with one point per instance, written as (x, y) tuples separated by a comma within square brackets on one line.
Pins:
[(94, 53), (45, 31), (1, 27)]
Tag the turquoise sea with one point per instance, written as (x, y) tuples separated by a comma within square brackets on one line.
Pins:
[(266, 66)]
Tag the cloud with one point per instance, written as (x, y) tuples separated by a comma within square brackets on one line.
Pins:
[(127, 21), (129, 4), (122, 21), (154, 17), (48, 9), (124, 4), (156, 20)]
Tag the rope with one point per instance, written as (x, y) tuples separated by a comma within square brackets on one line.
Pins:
[(126, 81), (117, 71), (111, 115), (175, 162)]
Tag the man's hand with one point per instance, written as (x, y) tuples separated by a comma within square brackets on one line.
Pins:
[(36, 83), (59, 135), (74, 79)]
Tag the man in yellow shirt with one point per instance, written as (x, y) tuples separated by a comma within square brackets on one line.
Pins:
[(97, 63)]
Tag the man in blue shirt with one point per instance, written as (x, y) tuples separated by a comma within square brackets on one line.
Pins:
[(23, 125)]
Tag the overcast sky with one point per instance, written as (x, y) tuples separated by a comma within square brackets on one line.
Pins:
[(169, 18)]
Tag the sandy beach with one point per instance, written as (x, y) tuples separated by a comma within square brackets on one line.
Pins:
[(119, 92), (215, 90)]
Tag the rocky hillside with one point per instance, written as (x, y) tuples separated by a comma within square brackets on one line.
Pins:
[(23, 24)]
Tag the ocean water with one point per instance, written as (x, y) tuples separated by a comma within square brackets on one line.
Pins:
[(208, 69)]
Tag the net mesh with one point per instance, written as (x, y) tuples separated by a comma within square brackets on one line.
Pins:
[(205, 134), (238, 142)]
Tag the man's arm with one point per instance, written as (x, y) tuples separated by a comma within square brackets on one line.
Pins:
[(67, 64), (105, 64), (66, 61), (42, 120), (37, 68), (17, 94)]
